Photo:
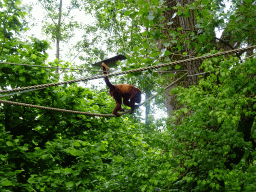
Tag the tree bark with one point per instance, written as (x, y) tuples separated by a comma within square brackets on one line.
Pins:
[(188, 24), (148, 95), (58, 36)]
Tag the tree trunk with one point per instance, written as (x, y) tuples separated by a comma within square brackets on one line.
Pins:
[(188, 24), (58, 36), (148, 95), (168, 100)]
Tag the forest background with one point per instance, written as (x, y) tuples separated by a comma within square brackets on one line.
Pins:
[(206, 143)]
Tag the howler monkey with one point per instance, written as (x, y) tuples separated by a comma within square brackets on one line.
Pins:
[(122, 91)]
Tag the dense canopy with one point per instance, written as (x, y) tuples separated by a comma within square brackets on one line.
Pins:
[(197, 134)]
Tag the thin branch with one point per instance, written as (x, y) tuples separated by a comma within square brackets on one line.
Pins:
[(228, 46), (76, 55), (224, 42), (47, 11)]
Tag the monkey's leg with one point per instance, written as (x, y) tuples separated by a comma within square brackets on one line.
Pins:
[(117, 108), (130, 103)]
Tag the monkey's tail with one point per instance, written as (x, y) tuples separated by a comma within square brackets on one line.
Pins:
[(106, 78)]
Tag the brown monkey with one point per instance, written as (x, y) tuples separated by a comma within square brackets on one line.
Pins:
[(122, 91)]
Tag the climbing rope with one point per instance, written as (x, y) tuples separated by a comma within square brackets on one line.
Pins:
[(55, 109), (49, 67), (15, 93), (80, 112), (197, 74), (129, 71)]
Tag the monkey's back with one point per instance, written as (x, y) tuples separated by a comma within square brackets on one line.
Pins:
[(127, 89)]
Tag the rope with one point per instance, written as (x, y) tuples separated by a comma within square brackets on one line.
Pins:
[(251, 55), (174, 71), (15, 93), (20, 92), (197, 74), (129, 71), (80, 112), (49, 67), (55, 109)]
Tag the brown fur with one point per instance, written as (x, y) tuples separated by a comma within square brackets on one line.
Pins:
[(122, 93)]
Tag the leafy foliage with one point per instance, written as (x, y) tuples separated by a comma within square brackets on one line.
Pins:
[(217, 140), (210, 147)]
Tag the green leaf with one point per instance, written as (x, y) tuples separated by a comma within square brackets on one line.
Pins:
[(136, 48), (101, 147), (143, 188), (24, 148), (248, 1), (167, 53), (166, 44), (6, 50), (127, 13), (233, 17), (121, 5), (118, 159), (67, 171), (70, 184), (151, 16), (177, 67), (57, 171), (179, 12), (76, 143), (32, 179), (22, 78), (185, 110), (75, 152), (95, 107), (96, 158), (9, 143), (145, 33), (6, 182), (146, 45), (33, 56), (18, 2), (93, 150), (45, 156)]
